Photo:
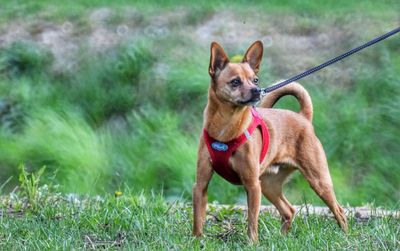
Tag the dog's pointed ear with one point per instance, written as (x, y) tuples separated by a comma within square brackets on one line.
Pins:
[(253, 55), (218, 59)]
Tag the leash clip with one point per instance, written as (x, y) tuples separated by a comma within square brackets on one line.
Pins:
[(264, 92)]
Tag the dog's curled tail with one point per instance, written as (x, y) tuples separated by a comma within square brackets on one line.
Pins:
[(294, 89)]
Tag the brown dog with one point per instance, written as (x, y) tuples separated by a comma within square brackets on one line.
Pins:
[(293, 144)]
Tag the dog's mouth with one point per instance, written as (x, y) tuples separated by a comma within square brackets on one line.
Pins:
[(250, 102)]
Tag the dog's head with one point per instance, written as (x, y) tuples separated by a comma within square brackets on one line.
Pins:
[(236, 83)]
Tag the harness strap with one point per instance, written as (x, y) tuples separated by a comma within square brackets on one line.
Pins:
[(220, 152)]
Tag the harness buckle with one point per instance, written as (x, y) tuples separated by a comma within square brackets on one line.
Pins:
[(247, 134)]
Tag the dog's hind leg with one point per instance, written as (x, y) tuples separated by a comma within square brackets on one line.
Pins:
[(271, 185), (313, 165)]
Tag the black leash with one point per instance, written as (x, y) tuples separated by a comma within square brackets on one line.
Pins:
[(264, 91)]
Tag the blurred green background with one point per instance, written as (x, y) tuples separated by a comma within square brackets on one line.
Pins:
[(110, 95)]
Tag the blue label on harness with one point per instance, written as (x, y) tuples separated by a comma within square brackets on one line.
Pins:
[(219, 146)]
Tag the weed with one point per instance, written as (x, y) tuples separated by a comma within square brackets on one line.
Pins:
[(22, 58), (29, 183)]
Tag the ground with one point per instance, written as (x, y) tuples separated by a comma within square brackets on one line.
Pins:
[(146, 222)]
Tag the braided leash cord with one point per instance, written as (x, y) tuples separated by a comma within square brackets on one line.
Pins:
[(264, 91)]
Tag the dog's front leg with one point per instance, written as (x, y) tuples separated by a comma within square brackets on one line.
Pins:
[(203, 176), (253, 190)]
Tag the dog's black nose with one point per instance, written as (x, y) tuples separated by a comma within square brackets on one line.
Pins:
[(256, 90)]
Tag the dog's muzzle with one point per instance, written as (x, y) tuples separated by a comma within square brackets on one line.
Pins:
[(255, 97)]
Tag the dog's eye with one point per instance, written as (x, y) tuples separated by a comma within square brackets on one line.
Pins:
[(255, 81), (236, 82)]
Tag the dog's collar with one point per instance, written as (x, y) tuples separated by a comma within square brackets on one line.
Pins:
[(220, 152)]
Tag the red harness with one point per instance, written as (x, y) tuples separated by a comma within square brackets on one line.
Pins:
[(220, 152)]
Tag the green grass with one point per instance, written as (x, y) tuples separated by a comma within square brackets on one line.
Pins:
[(147, 222), (53, 11), (131, 114)]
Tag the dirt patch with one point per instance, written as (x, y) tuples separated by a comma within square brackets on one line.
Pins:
[(362, 213), (292, 43), (295, 43), (291, 46)]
